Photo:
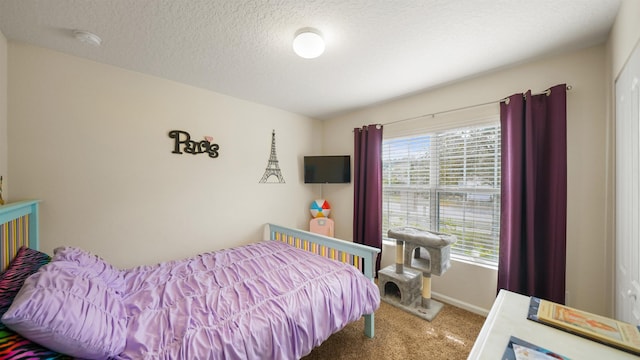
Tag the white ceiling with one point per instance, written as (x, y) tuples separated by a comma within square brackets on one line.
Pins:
[(376, 50)]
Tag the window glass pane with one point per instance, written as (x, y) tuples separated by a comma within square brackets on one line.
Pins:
[(405, 206), (469, 158), (405, 177), (449, 182), (474, 219)]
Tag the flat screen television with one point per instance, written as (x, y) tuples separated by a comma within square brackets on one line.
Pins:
[(330, 169)]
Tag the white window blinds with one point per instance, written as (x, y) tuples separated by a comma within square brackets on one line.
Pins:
[(447, 181)]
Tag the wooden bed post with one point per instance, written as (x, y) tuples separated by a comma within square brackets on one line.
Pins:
[(19, 209), (369, 325), (34, 228)]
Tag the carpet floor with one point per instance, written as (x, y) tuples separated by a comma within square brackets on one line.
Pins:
[(401, 335)]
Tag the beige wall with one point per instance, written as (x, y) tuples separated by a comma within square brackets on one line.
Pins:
[(625, 34), (474, 287), (91, 141), (3, 115)]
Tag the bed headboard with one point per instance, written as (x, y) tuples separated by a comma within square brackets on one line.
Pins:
[(18, 227)]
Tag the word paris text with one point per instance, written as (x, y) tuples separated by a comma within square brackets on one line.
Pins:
[(182, 141)]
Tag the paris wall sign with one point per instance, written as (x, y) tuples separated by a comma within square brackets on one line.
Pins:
[(182, 142)]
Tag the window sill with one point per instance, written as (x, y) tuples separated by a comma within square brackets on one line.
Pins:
[(471, 262)]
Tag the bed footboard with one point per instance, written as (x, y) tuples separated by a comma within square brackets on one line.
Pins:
[(361, 256)]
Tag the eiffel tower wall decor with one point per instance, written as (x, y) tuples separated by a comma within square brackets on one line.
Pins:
[(272, 173)]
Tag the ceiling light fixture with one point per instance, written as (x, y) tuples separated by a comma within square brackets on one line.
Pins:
[(87, 37), (308, 43)]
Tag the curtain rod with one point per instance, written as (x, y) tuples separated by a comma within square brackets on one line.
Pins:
[(432, 115)]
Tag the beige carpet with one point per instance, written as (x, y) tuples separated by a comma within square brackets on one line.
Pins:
[(401, 335)]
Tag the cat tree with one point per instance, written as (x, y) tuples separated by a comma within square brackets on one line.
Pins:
[(424, 253)]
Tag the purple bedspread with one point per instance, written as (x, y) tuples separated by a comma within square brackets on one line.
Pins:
[(262, 301)]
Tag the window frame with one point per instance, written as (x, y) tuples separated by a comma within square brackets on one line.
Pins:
[(436, 191)]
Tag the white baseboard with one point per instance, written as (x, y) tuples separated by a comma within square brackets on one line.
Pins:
[(461, 304)]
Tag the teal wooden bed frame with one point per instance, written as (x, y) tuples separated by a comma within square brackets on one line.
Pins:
[(361, 256), (19, 226)]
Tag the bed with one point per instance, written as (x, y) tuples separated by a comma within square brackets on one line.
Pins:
[(273, 299)]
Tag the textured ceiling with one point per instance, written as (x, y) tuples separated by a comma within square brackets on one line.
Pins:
[(376, 49)]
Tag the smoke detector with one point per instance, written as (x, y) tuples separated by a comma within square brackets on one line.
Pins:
[(87, 37)]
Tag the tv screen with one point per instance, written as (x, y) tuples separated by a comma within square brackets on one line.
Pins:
[(334, 169)]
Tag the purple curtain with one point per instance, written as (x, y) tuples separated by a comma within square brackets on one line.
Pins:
[(367, 187), (534, 194)]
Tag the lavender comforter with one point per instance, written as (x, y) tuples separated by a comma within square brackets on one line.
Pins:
[(266, 300), (262, 301)]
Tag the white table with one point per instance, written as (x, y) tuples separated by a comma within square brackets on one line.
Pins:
[(508, 317)]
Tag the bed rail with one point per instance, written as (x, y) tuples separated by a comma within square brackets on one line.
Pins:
[(18, 227), (361, 256)]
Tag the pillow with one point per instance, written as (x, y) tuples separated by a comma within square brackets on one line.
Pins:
[(69, 309), (13, 346), (91, 265), (26, 262)]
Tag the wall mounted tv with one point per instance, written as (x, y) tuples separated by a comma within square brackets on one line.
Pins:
[(332, 169)]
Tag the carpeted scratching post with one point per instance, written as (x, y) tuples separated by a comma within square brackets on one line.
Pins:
[(423, 253)]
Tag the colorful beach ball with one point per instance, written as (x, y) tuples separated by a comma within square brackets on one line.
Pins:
[(320, 208)]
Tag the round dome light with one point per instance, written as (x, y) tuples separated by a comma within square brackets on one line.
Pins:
[(308, 43)]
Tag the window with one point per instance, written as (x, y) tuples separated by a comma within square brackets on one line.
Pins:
[(447, 181)]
